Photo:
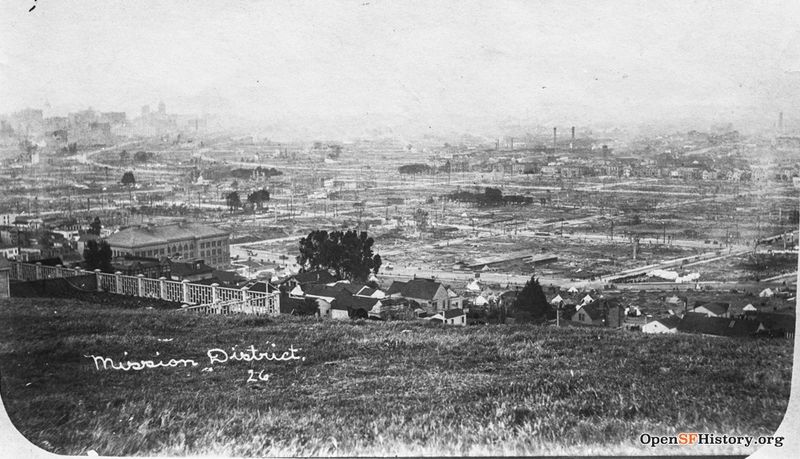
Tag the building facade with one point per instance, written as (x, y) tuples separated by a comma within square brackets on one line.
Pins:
[(183, 240)]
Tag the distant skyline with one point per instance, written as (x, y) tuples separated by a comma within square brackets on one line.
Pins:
[(448, 65)]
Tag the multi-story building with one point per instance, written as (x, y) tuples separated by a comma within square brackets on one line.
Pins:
[(182, 240)]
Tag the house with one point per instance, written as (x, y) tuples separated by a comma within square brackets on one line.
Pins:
[(320, 276), (766, 293), (590, 314), (450, 317), (604, 313), (5, 278), (663, 325), (357, 306), (692, 322), (431, 295), (714, 309), (191, 270), (557, 300)]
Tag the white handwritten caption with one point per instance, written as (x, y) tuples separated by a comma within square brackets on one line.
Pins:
[(215, 356)]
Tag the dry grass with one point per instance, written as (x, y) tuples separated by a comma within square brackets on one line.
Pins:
[(370, 388)]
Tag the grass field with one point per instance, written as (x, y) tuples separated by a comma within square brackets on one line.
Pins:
[(369, 388)]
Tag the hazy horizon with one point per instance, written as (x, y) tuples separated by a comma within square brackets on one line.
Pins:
[(448, 65)]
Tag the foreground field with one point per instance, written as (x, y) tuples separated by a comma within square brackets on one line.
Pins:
[(372, 388)]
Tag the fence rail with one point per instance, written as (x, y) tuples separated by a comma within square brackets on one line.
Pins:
[(196, 297)]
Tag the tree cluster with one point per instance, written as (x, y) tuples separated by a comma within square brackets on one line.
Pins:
[(97, 255), (257, 198), (414, 169), (95, 227), (348, 253), (233, 201), (258, 171), (490, 197), (143, 156)]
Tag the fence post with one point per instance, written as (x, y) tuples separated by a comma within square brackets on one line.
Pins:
[(98, 278), (59, 270), (163, 290), (245, 294), (38, 270), (140, 285), (185, 285), (214, 293), (118, 282)]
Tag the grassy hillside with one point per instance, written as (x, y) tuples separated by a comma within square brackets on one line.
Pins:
[(373, 388)]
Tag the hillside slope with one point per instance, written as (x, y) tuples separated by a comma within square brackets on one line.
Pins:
[(371, 387)]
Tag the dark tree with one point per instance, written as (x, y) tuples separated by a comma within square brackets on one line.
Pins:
[(416, 168), (95, 226), (258, 198), (531, 305), (128, 178), (349, 254), (124, 156), (493, 195), (97, 255), (233, 201)]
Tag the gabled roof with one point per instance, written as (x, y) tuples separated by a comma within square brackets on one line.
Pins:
[(669, 322), (321, 290), (716, 307), (593, 311), (347, 301), (424, 289)]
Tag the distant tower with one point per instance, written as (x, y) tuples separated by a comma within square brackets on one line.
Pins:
[(162, 109), (780, 122)]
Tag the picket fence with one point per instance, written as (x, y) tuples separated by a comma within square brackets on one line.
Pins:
[(210, 299)]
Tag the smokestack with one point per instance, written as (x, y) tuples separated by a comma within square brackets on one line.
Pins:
[(554, 140), (780, 122), (572, 141)]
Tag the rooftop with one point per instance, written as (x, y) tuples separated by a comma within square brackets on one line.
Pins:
[(152, 235)]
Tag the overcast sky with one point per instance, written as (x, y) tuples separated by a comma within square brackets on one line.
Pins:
[(584, 61)]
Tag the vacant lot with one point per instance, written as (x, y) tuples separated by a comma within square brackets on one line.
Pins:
[(372, 388)]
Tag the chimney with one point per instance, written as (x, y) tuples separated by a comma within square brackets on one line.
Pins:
[(554, 140), (572, 141)]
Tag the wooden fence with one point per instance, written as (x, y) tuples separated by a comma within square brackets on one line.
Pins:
[(196, 297)]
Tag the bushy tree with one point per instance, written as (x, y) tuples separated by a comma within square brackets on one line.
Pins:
[(531, 305), (349, 254)]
